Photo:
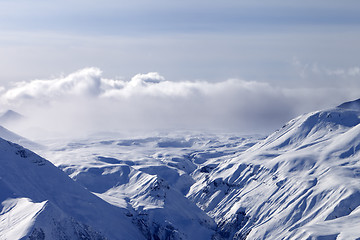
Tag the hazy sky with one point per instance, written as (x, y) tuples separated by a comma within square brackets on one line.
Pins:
[(182, 40), (303, 54)]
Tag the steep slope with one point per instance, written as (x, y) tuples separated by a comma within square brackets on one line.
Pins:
[(40, 202), (15, 138), (302, 182)]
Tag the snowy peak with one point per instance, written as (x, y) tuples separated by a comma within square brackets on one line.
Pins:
[(10, 116), (310, 128), (22, 217), (28, 182), (302, 182), (354, 105)]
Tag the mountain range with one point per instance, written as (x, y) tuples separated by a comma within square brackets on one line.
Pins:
[(301, 182)]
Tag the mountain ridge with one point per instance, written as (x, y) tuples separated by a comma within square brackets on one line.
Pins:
[(355, 104), (25, 175), (299, 165), (301, 182)]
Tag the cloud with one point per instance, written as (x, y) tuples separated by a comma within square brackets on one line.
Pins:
[(341, 72), (84, 102), (306, 70), (86, 82)]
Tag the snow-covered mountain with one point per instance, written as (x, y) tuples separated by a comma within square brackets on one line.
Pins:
[(150, 176), (39, 201), (10, 116), (15, 138), (301, 182)]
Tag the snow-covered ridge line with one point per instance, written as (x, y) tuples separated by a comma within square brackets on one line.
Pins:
[(49, 205), (301, 182)]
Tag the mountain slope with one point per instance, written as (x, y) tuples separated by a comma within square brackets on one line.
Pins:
[(355, 105), (150, 177), (301, 182), (40, 200), (15, 138)]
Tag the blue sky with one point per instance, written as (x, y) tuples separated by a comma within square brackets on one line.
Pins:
[(298, 55), (154, 17), (212, 40)]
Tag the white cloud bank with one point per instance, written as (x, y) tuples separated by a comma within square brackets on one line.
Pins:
[(85, 102)]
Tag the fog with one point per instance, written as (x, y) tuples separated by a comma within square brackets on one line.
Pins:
[(84, 103)]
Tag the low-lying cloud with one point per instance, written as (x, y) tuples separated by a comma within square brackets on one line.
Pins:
[(85, 102)]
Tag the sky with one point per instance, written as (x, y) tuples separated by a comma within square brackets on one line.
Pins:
[(244, 66)]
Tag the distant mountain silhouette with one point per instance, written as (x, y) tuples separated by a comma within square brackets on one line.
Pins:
[(10, 116)]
